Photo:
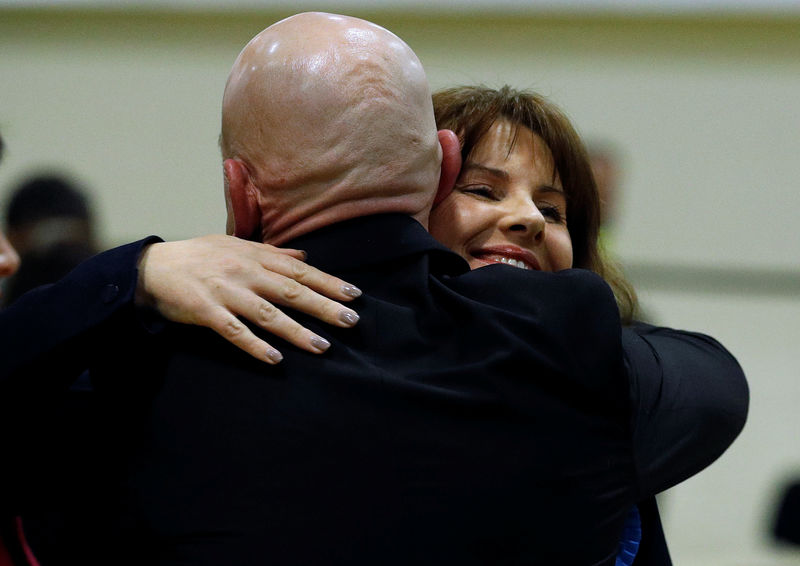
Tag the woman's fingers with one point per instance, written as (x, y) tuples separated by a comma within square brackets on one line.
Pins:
[(287, 292), (298, 254), (269, 317), (256, 293), (297, 270), (237, 333)]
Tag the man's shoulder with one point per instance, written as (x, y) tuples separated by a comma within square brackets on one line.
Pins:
[(570, 317), (571, 289)]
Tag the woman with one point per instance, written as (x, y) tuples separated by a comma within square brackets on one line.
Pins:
[(526, 197)]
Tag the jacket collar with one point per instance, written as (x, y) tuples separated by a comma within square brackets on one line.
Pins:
[(379, 238)]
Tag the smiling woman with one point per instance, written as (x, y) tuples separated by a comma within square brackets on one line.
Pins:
[(526, 192), (508, 205)]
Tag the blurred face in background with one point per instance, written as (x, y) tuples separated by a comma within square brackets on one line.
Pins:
[(507, 206)]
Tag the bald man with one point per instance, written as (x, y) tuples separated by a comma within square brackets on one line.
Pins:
[(471, 417), (326, 118)]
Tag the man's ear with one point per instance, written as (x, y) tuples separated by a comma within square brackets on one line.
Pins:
[(451, 164), (242, 199)]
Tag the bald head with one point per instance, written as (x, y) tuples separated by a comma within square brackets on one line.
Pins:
[(331, 117)]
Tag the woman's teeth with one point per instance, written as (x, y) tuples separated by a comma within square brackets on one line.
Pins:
[(514, 262)]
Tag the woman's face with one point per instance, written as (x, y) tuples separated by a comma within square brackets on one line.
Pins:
[(507, 207)]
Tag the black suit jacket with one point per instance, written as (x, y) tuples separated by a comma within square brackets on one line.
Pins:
[(493, 416)]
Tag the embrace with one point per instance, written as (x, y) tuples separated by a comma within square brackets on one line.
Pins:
[(485, 397)]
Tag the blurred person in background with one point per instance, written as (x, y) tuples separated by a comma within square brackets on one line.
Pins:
[(9, 259), (604, 159), (50, 223), (786, 524)]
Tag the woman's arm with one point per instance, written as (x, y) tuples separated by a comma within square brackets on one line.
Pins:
[(210, 281), (689, 402), (206, 281), (45, 332)]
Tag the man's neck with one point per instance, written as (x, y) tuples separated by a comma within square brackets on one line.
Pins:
[(292, 225)]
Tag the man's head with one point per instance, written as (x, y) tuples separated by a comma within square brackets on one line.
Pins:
[(48, 209), (325, 118)]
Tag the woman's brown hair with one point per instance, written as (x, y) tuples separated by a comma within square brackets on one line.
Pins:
[(470, 111)]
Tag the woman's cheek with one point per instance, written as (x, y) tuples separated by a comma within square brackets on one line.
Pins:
[(442, 221)]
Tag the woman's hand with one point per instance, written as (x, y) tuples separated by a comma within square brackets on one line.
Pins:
[(209, 281)]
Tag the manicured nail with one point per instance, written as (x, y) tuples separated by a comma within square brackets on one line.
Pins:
[(305, 255), (351, 291), (319, 343), (274, 355), (348, 317)]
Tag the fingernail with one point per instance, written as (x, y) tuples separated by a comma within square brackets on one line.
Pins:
[(348, 317), (351, 291), (320, 343), (305, 254), (274, 355)]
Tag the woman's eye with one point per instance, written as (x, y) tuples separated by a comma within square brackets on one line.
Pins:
[(551, 213), (484, 192)]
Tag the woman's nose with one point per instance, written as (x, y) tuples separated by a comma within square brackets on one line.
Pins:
[(524, 221)]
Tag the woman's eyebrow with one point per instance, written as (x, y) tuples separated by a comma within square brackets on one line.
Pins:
[(550, 189), (470, 166), (503, 174)]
